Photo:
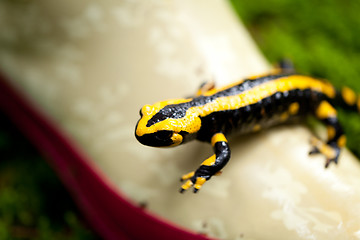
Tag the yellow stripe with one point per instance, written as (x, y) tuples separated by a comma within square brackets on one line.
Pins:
[(218, 137), (187, 176), (210, 161), (191, 123), (187, 185), (262, 91), (199, 182), (149, 111)]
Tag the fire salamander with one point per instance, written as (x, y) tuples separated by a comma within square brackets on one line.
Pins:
[(242, 107)]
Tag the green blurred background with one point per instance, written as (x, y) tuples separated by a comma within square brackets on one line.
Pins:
[(322, 38)]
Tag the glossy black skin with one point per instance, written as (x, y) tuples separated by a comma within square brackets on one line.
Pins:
[(265, 112)]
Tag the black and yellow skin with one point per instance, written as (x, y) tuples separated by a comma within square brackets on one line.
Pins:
[(246, 106)]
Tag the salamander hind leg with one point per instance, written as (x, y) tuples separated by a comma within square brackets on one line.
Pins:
[(210, 167), (285, 66), (326, 113)]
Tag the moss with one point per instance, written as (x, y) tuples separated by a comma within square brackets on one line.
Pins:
[(33, 202)]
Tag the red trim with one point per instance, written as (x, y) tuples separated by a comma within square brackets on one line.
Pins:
[(111, 215)]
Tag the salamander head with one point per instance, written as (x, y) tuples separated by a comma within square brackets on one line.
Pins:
[(167, 123)]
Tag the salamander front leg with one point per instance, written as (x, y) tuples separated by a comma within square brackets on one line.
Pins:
[(336, 138), (204, 87), (210, 166)]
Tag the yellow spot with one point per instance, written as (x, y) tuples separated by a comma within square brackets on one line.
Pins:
[(199, 182), (325, 110), (256, 128), (218, 137), (210, 161), (331, 132), (187, 176), (348, 95), (294, 108), (177, 139), (341, 141), (284, 116), (358, 104)]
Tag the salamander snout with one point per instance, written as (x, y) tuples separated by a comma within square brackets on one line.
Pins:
[(156, 139)]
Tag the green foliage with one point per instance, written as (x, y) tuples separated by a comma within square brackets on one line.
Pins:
[(33, 202), (320, 37)]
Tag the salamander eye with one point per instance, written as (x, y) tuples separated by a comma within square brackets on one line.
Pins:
[(164, 134)]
